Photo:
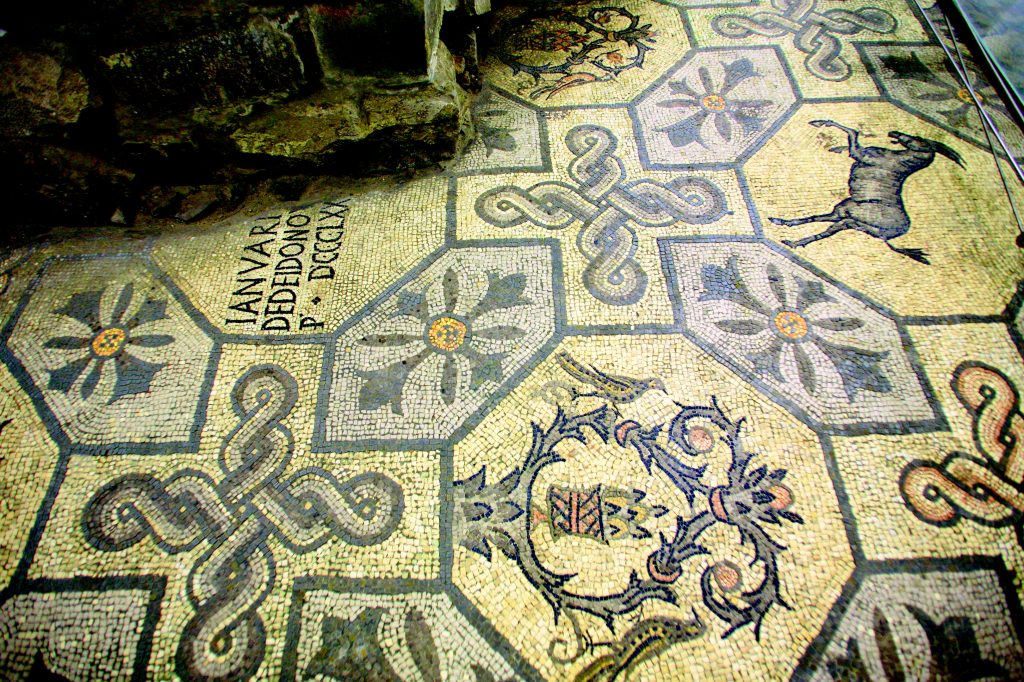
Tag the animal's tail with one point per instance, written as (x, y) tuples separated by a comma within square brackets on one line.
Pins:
[(917, 254), (575, 368)]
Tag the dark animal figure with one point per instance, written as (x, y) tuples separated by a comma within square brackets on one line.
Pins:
[(616, 389), (875, 205), (646, 640)]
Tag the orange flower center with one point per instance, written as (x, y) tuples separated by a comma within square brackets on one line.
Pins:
[(790, 324), (447, 333), (965, 96), (109, 342), (714, 103)]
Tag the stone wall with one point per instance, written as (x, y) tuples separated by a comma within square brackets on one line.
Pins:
[(109, 109)]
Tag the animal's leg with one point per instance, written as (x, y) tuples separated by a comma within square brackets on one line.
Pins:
[(845, 224), (793, 222), (916, 254)]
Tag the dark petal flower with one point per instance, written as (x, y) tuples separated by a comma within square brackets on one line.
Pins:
[(91, 379), (689, 103), (497, 138), (777, 285), (742, 327), (909, 68), (725, 284), (810, 292), (838, 324), (937, 96), (384, 386), (888, 652), (735, 73), (954, 649), (121, 306), (500, 333), (152, 340), (412, 304), (449, 380), (62, 379), (722, 125), (804, 368), (389, 339), (848, 666), (705, 80), (502, 292), (766, 362), (67, 342), (485, 367), (450, 288), (134, 375), (682, 88), (84, 307), (859, 369), (151, 310), (686, 131)]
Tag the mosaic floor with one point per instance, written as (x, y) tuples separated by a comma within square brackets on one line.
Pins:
[(689, 369)]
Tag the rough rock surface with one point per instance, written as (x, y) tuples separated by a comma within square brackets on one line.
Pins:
[(114, 101)]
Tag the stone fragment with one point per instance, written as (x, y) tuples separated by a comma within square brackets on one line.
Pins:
[(259, 60), (198, 202), (39, 91)]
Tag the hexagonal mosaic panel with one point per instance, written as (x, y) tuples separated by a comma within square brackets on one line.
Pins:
[(801, 338), (427, 357), (110, 348), (714, 108)]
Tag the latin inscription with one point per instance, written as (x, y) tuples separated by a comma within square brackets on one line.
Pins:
[(282, 254)]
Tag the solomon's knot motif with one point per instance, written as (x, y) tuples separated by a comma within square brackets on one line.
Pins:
[(814, 33), (236, 517), (609, 209), (988, 489)]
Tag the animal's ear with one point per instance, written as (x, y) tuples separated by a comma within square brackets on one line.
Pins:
[(949, 153)]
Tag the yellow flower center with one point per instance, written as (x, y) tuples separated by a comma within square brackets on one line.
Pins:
[(447, 333), (714, 103), (965, 96), (109, 341), (791, 325)]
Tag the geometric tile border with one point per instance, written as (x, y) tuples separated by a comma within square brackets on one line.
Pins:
[(121, 360), (921, 619), (813, 347)]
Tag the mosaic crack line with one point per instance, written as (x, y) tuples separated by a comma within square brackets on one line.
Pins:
[(875, 205), (608, 207), (225, 639), (501, 514), (815, 33)]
